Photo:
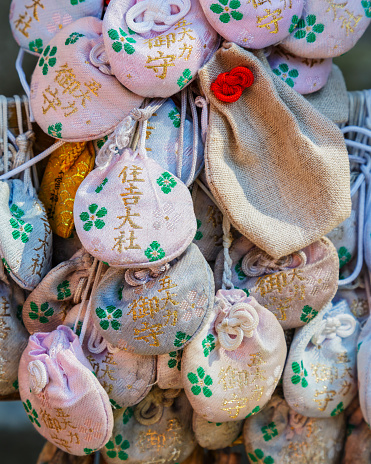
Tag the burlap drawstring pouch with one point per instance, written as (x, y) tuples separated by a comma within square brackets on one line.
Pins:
[(215, 435), (66, 169), (13, 335), (158, 311), (252, 24), (357, 447), (156, 48), (280, 210), (320, 377), (61, 395), (72, 97), (230, 369), (280, 435), (325, 31), (158, 429), (305, 75), (168, 370), (35, 22), (47, 306), (295, 287), (126, 377), (363, 362)]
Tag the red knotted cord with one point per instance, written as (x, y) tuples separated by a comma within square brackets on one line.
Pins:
[(228, 86)]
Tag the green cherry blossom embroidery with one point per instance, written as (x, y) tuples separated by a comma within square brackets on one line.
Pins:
[(208, 344), (36, 46), (56, 130), (73, 38), (200, 382), (128, 414), (15, 385), (184, 78), (122, 40), (307, 28), (174, 360), (181, 339), (258, 456), (6, 265), (338, 410), (63, 290), (109, 316), (91, 219), (101, 185), (269, 431), (43, 314), (238, 268), (88, 451), (114, 404), (47, 59), (300, 374), (16, 211), (76, 2), (253, 412), (308, 314), (166, 181), (102, 141), (226, 10), (350, 429), (19, 314), (154, 252), (117, 448), (344, 256), (174, 115), (294, 23), (244, 290), (199, 234), (32, 414), (286, 74), (367, 7), (21, 228)]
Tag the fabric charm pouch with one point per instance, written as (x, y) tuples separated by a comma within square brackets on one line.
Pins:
[(231, 368), (154, 312), (215, 435), (133, 213), (304, 75), (279, 210), (168, 370), (71, 98), (61, 395), (66, 169), (363, 363), (295, 288), (162, 53), (25, 234), (323, 32), (13, 335), (35, 22), (158, 429), (280, 435), (320, 377), (47, 306)]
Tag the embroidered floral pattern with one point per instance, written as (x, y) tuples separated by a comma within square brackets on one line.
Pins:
[(308, 314), (21, 228), (101, 185), (269, 431), (76, 2), (226, 10), (109, 316), (193, 305), (43, 314), (6, 265), (48, 59), (90, 430), (32, 414), (166, 181), (91, 219), (167, 216), (307, 28), (238, 268), (200, 382), (56, 130), (102, 141), (199, 234), (36, 46), (174, 115), (258, 456), (114, 404), (253, 412), (63, 290), (73, 38), (128, 414), (154, 252), (208, 344), (15, 385), (122, 40), (117, 448), (58, 22), (338, 410), (184, 78), (367, 7), (88, 451), (175, 359), (294, 23), (286, 74), (300, 374), (181, 339), (344, 256)]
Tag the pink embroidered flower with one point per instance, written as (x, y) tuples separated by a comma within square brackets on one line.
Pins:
[(314, 82), (91, 430), (59, 22), (194, 305), (166, 217), (132, 385)]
